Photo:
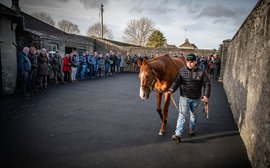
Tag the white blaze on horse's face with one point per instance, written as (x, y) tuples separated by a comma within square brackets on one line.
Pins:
[(144, 83), (143, 88)]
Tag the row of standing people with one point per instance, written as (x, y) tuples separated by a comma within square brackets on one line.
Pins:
[(33, 70), (91, 65), (88, 65), (35, 67)]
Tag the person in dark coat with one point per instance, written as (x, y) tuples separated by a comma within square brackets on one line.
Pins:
[(24, 66), (190, 80), (57, 64), (34, 66), (74, 65), (43, 69)]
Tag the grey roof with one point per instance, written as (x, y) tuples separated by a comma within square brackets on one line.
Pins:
[(62, 37), (120, 43), (46, 31), (4, 10), (187, 45)]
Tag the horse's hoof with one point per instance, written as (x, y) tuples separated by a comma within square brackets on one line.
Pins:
[(161, 133)]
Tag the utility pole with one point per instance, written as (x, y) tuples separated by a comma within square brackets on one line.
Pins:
[(185, 33), (101, 11)]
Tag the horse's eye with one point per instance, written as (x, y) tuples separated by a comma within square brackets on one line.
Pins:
[(147, 76)]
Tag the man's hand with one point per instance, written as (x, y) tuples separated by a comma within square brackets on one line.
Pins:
[(205, 99), (170, 90)]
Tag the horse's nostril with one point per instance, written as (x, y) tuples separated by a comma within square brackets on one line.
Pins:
[(145, 96)]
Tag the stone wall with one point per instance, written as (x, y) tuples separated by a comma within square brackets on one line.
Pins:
[(8, 66), (103, 46), (223, 52), (246, 82)]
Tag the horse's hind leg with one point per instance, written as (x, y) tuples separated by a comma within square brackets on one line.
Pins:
[(165, 113)]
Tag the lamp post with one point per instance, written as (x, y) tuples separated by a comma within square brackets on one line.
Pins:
[(101, 11)]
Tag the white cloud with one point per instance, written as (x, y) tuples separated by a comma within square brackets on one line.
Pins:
[(208, 22)]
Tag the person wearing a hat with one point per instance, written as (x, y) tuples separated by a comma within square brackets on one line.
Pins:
[(190, 80)]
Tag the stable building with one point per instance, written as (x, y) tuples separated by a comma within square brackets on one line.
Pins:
[(9, 19), (18, 29), (187, 45), (43, 35)]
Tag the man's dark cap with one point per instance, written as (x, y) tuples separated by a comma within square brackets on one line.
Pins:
[(191, 57)]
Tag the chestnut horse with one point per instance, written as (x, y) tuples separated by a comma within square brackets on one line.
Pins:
[(159, 74)]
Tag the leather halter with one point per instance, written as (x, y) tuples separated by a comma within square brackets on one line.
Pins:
[(151, 87)]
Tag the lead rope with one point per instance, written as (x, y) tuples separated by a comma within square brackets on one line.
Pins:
[(174, 102), (176, 105)]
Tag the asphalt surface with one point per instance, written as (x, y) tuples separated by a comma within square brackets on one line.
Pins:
[(103, 123)]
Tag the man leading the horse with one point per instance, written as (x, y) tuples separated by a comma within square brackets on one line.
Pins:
[(190, 80)]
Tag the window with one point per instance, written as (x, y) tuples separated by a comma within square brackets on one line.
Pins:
[(52, 49)]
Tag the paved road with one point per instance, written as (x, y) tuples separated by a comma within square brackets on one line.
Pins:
[(103, 123)]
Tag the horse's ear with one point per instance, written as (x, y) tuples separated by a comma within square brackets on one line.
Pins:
[(139, 63), (145, 62)]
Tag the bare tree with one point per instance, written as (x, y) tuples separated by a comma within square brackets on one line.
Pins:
[(95, 30), (138, 31), (68, 27), (45, 17)]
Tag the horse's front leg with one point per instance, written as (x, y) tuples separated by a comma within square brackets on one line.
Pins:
[(165, 112), (159, 99)]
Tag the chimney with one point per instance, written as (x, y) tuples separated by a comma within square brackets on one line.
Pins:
[(15, 5)]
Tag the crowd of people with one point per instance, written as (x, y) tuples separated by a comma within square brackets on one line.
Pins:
[(37, 68), (210, 64)]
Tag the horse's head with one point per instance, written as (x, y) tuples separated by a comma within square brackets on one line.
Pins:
[(147, 78)]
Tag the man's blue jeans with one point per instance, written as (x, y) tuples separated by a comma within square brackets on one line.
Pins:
[(186, 107), (83, 70)]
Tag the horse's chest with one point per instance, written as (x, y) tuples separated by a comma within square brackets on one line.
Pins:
[(161, 86)]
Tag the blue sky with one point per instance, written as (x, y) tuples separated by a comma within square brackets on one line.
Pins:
[(207, 22)]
